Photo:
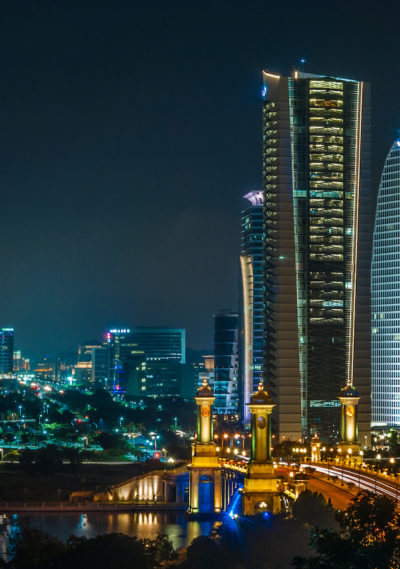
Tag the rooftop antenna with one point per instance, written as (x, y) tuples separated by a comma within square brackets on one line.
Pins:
[(302, 63)]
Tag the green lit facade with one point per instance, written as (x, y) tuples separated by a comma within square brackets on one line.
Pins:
[(315, 166)]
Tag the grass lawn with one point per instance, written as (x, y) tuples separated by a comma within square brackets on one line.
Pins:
[(18, 486)]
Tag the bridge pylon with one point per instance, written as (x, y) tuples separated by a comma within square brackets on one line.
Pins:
[(349, 399), (260, 492), (204, 471)]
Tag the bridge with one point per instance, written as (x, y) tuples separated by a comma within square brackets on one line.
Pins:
[(210, 485)]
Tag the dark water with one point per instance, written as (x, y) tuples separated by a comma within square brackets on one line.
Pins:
[(140, 524)]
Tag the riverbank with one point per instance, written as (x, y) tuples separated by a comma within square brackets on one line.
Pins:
[(18, 486), (16, 508)]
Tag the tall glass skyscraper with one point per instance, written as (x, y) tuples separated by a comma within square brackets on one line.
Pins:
[(316, 273), (251, 264), (385, 297), (226, 329)]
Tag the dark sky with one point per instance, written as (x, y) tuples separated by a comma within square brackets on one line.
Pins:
[(129, 132)]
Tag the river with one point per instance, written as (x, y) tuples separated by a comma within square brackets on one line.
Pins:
[(140, 524)]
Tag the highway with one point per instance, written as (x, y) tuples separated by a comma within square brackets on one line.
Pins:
[(361, 480)]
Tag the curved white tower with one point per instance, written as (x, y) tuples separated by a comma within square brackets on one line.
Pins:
[(385, 296)]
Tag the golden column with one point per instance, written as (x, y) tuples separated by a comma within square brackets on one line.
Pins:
[(315, 449), (204, 472), (260, 492), (349, 424)]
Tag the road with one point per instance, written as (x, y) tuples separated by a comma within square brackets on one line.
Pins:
[(317, 482), (362, 480)]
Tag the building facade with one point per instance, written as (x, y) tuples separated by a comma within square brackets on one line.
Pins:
[(6, 350), (252, 305), (146, 361), (385, 297), (317, 222), (161, 344), (226, 389)]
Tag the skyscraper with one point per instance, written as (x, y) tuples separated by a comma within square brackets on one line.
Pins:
[(317, 230), (385, 296), (226, 329), (165, 344), (129, 348), (251, 264), (6, 350)]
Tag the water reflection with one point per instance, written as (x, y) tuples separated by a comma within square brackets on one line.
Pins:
[(140, 524)]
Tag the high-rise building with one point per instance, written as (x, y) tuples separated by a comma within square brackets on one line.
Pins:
[(6, 350), (252, 305), (385, 297), (129, 348), (164, 344), (317, 214), (226, 329)]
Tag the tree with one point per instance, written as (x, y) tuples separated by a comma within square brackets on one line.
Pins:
[(32, 547), (368, 537), (311, 508)]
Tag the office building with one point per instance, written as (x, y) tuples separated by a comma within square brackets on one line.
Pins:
[(252, 305), (164, 344), (385, 297), (6, 350), (123, 357), (317, 223), (128, 351), (226, 330)]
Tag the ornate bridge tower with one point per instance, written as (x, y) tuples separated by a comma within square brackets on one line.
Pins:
[(349, 422), (204, 471), (260, 492)]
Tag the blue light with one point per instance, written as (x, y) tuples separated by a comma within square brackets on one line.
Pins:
[(266, 515), (302, 60), (235, 503), (398, 142), (264, 91)]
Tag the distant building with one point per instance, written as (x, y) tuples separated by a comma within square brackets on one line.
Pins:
[(206, 372), (165, 344), (226, 330), (92, 365), (163, 378), (20, 364), (252, 305), (124, 355), (134, 353), (6, 350), (44, 370), (385, 297), (100, 371)]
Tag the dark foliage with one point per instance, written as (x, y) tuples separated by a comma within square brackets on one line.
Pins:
[(368, 537)]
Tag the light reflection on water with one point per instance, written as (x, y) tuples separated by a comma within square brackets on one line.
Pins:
[(140, 524)]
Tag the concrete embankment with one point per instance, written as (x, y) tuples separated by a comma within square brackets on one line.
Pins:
[(90, 507)]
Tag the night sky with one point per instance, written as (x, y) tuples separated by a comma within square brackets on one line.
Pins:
[(129, 133)]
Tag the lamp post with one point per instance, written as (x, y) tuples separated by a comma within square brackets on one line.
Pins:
[(359, 469)]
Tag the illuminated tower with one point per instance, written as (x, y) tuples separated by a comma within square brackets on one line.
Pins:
[(385, 299), (349, 423), (6, 350), (260, 492), (204, 471), (317, 224), (251, 264)]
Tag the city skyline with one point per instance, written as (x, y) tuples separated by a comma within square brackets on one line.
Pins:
[(103, 195)]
